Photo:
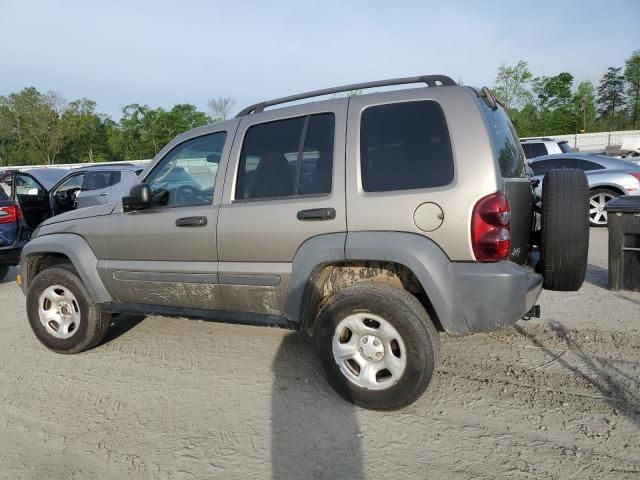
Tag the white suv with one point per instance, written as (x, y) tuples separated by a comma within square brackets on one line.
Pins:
[(538, 146)]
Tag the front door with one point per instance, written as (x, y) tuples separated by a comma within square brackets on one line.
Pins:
[(284, 185), (167, 255)]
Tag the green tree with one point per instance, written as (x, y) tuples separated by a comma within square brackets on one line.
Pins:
[(632, 76), (86, 128), (512, 84), (611, 95), (584, 106), (38, 122)]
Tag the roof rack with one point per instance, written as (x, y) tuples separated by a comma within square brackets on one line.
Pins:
[(544, 139), (430, 80)]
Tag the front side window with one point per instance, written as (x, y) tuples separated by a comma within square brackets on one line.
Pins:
[(287, 158), (405, 146), (187, 174), (73, 183)]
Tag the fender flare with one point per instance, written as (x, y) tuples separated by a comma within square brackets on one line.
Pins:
[(78, 251), (419, 254)]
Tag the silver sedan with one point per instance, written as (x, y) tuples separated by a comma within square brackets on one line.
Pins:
[(608, 178)]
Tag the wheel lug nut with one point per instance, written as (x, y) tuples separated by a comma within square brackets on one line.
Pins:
[(365, 340), (370, 358), (376, 342), (361, 350), (379, 354)]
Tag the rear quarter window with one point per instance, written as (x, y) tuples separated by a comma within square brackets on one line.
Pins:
[(505, 142), (405, 146)]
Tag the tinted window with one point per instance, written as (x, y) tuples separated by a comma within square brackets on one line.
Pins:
[(541, 167), (587, 166), (565, 147), (98, 180), (187, 174), (27, 185), (533, 150), (3, 195), (505, 139), (276, 161), (405, 146)]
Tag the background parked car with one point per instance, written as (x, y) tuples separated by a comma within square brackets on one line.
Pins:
[(538, 146), (608, 178), (10, 223)]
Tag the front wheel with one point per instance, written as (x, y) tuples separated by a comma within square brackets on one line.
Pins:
[(377, 346), (62, 313)]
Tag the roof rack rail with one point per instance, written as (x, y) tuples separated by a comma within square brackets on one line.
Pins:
[(430, 80)]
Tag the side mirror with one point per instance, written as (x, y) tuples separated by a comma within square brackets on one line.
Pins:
[(139, 198)]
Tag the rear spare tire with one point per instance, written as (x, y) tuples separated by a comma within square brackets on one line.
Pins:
[(565, 229)]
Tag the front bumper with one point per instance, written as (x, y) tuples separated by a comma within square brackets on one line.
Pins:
[(492, 296)]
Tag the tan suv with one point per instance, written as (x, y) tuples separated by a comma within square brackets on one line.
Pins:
[(371, 222)]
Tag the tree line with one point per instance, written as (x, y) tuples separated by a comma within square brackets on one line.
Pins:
[(44, 128), (541, 105)]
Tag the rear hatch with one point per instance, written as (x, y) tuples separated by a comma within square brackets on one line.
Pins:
[(517, 185)]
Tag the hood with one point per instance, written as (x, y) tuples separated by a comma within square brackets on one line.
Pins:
[(87, 212)]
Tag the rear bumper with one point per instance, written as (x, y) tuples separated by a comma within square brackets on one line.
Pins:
[(491, 296), (10, 255)]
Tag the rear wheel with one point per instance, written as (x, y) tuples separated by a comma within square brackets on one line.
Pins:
[(598, 198), (62, 313), (377, 346), (565, 229)]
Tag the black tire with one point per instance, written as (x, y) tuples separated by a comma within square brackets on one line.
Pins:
[(595, 193), (565, 229), (4, 270), (407, 315), (93, 325)]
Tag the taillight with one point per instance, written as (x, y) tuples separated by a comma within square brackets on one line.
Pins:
[(490, 228), (10, 214), (636, 174)]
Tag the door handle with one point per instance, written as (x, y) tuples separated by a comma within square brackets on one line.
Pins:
[(103, 194), (191, 222), (317, 214)]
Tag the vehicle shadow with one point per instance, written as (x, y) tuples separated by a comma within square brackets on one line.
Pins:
[(315, 434), (121, 324), (623, 397), (597, 276)]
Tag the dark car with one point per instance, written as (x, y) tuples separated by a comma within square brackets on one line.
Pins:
[(10, 221)]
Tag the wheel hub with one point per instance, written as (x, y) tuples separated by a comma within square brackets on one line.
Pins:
[(371, 348)]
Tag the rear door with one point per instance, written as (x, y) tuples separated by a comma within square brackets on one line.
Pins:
[(33, 199), (284, 185)]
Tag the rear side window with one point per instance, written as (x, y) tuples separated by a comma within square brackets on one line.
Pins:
[(565, 147), (405, 146), (507, 147), (587, 166), (541, 167), (533, 150), (287, 158), (98, 180)]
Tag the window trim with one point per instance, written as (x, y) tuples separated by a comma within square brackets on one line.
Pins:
[(195, 137), (303, 137), (360, 183)]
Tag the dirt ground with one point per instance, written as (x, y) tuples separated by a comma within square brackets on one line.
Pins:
[(163, 398)]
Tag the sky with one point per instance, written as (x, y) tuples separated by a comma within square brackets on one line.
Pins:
[(161, 53)]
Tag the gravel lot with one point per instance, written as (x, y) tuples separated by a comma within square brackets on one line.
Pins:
[(168, 398)]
